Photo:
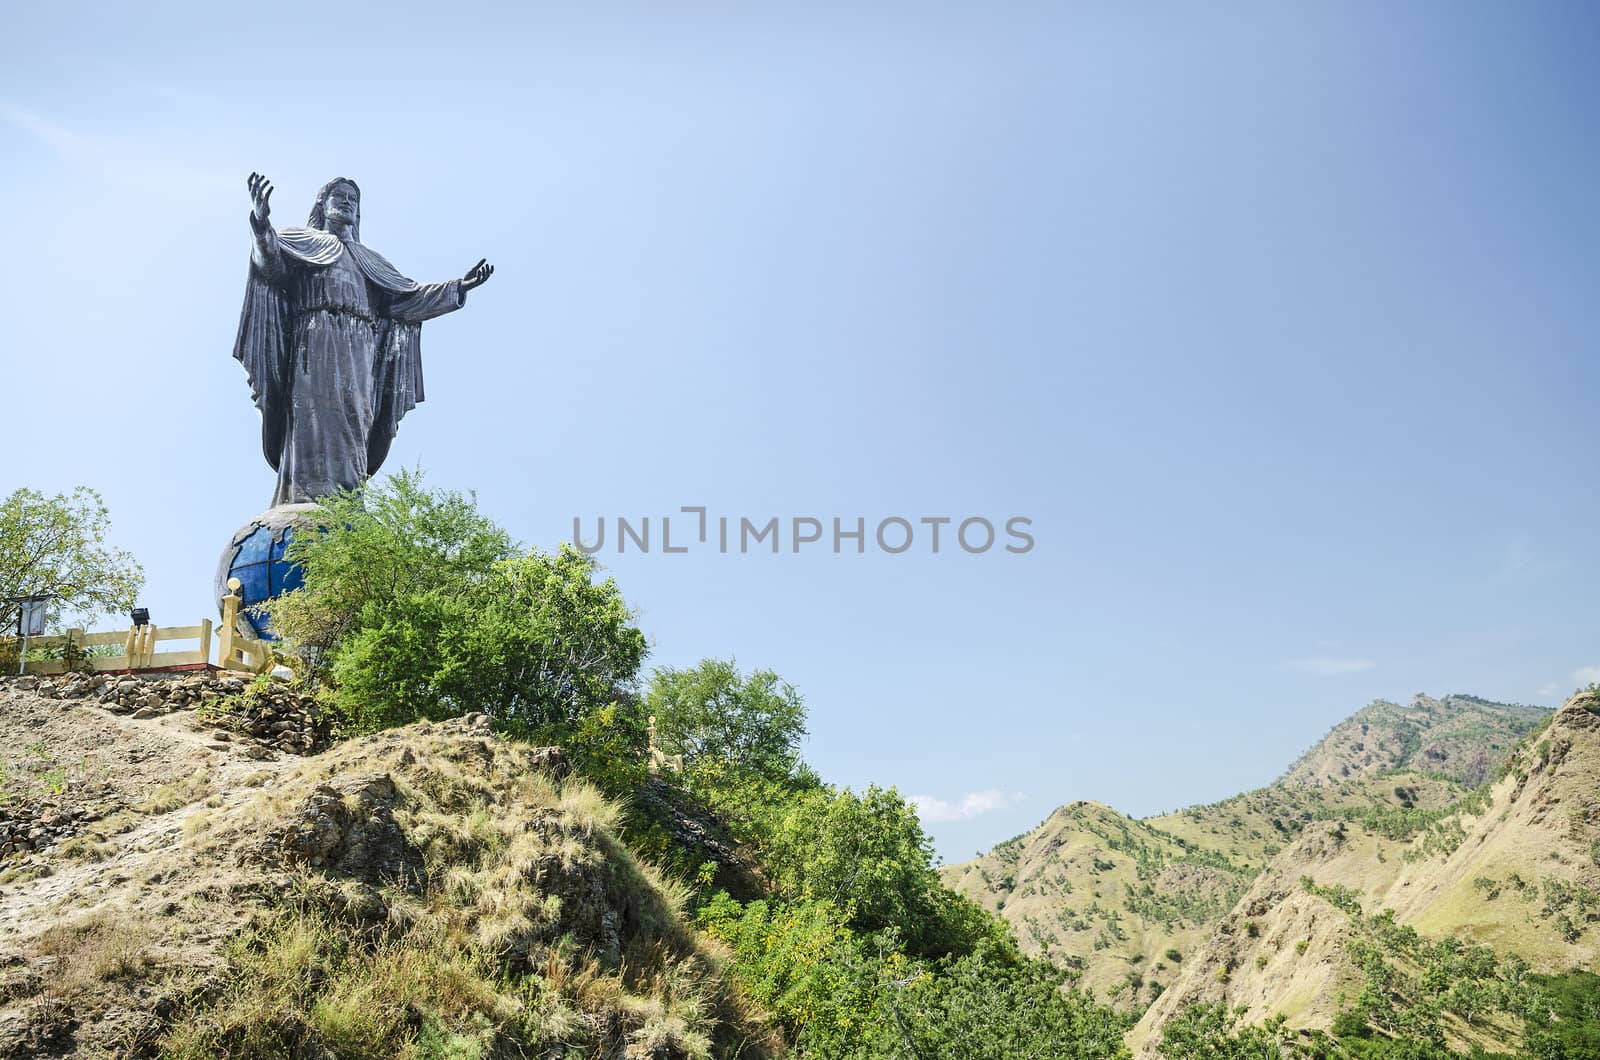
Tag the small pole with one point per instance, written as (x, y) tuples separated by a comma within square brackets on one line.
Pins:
[(22, 659)]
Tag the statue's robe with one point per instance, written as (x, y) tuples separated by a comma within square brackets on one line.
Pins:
[(330, 337)]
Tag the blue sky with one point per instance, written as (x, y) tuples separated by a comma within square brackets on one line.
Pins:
[(1278, 321)]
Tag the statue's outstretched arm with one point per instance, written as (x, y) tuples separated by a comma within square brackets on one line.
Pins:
[(436, 299), (428, 301), (264, 252)]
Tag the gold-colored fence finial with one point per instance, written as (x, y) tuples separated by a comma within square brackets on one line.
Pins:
[(658, 758)]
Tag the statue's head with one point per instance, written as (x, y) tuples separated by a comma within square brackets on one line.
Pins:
[(338, 203)]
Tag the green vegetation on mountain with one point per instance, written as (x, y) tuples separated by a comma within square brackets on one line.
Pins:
[(1252, 828), (1461, 737), (1418, 999), (837, 938), (1105, 897), (417, 606)]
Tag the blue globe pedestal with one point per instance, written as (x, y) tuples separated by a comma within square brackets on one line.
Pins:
[(255, 557)]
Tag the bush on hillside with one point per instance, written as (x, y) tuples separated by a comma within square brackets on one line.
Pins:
[(722, 721), (416, 605)]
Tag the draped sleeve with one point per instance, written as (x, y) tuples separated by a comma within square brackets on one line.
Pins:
[(428, 301), (397, 385), (262, 342)]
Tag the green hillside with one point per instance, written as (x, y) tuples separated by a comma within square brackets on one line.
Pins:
[(1122, 903)]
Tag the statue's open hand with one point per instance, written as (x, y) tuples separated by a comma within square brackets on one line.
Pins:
[(260, 197), (477, 275)]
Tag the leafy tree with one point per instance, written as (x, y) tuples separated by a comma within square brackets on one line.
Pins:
[(416, 605), (802, 962), (1563, 1022), (992, 1005), (56, 545), (843, 995), (378, 550), (867, 855), (1213, 1031), (722, 721)]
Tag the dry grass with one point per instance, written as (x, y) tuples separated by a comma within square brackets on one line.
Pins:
[(533, 931), (20, 874), (116, 824), (170, 797), (101, 946), (88, 848), (94, 844)]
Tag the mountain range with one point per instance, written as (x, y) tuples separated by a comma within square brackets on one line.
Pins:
[(1470, 820)]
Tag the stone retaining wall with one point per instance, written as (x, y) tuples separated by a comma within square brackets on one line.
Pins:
[(274, 713)]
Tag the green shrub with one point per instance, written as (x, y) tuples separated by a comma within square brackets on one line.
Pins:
[(416, 605), (1216, 1032), (868, 856), (722, 721), (837, 993)]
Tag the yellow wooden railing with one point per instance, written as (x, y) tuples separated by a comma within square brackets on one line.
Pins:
[(237, 646)]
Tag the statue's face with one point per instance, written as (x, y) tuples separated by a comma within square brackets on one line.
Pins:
[(342, 206)]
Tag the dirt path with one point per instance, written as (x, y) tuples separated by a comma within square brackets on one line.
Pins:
[(120, 801), (140, 781)]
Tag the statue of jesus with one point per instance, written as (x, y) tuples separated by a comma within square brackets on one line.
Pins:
[(330, 339)]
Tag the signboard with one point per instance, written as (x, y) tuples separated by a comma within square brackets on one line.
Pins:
[(31, 621)]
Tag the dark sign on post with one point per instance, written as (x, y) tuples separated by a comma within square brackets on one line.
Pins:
[(30, 621)]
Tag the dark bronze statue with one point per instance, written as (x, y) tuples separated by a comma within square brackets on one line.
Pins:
[(330, 338)]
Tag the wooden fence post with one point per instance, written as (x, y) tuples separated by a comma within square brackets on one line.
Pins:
[(230, 622)]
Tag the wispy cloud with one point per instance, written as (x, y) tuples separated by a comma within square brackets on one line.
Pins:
[(1518, 556), (113, 158), (1586, 675), (40, 128), (971, 805), (1329, 665)]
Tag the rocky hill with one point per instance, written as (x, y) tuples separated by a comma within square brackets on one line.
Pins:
[(1251, 829), (1126, 903), (1435, 931), (177, 879), (1106, 895), (1461, 737)]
